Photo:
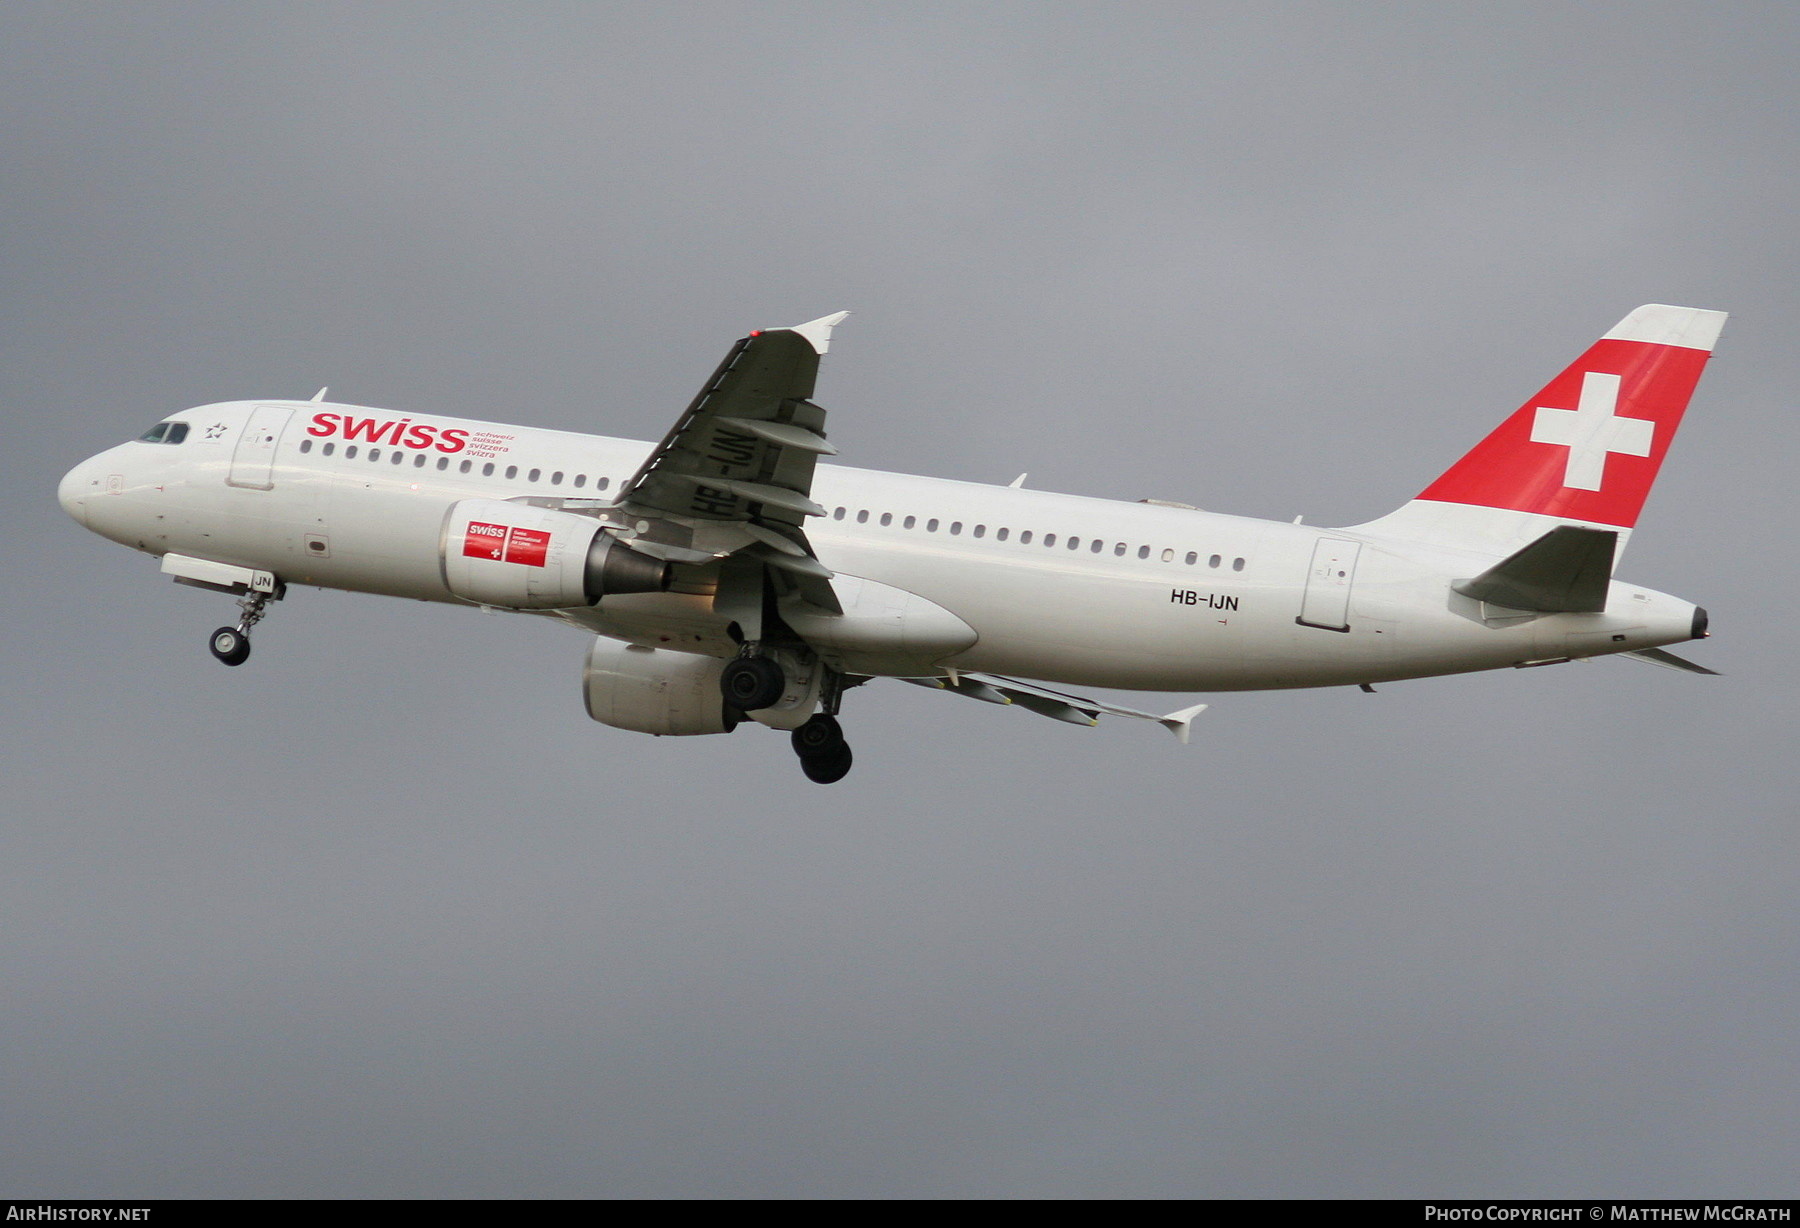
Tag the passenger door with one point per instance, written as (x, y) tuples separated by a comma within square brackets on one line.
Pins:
[(253, 460)]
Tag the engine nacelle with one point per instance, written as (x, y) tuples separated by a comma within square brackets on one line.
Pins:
[(653, 690), (521, 557)]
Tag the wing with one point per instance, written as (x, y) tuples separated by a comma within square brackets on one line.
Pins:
[(1057, 705), (734, 475)]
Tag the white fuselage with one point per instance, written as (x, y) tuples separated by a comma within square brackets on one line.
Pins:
[(1054, 587)]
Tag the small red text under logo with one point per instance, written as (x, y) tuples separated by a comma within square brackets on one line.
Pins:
[(527, 546)]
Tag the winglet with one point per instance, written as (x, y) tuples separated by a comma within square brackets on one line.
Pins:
[(818, 332), (1177, 722)]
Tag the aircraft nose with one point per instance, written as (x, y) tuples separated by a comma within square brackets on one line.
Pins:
[(73, 491)]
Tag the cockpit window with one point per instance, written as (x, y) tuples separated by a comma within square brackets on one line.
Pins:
[(166, 432)]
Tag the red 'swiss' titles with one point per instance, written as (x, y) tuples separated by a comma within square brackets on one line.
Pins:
[(484, 541), (400, 433), (529, 547)]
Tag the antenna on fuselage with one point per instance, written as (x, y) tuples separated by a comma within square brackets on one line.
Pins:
[(320, 394), (1018, 483)]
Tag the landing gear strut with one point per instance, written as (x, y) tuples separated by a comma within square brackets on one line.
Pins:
[(232, 644)]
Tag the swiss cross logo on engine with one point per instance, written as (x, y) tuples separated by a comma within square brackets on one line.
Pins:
[(530, 547), (484, 541)]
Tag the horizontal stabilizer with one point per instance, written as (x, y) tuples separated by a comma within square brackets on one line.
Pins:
[(1566, 571), (1668, 660)]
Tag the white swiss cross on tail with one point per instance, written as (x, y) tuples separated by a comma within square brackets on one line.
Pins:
[(1592, 430)]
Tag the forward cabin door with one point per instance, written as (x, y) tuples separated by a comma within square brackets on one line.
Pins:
[(1326, 604), (253, 460)]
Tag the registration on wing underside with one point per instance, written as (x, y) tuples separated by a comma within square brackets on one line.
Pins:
[(739, 465), (747, 446)]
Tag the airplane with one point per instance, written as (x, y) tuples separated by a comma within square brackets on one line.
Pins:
[(728, 574)]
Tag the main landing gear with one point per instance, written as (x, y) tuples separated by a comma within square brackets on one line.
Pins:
[(750, 683), (753, 682), (824, 755), (232, 644)]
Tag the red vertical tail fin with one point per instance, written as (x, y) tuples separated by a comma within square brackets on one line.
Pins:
[(1585, 450)]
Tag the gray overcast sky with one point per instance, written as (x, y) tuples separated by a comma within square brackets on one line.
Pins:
[(383, 914)]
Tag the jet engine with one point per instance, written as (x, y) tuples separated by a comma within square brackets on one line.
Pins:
[(653, 690), (520, 557)]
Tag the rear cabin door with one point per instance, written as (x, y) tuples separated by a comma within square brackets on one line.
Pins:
[(1326, 604), (253, 460)]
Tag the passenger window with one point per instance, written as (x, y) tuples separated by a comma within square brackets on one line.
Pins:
[(1074, 543), (1097, 547), (487, 470), (931, 525), (350, 452), (328, 449), (838, 514), (1237, 564), (443, 463), (419, 461), (1119, 549), (1000, 534), (1168, 556), (1024, 538), (306, 445), (909, 522), (465, 466), (1143, 552), (374, 454), (1214, 561), (980, 530), (534, 475), (887, 518), (580, 480), (862, 517), (601, 483), (512, 471), (1192, 558), (1049, 539), (400, 457), (556, 478)]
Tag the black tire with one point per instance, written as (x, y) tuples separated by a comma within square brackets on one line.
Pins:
[(230, 645), (819, 736), (750, 683), (830, 767)]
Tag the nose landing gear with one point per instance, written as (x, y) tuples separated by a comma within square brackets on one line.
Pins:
[(231, 645)]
